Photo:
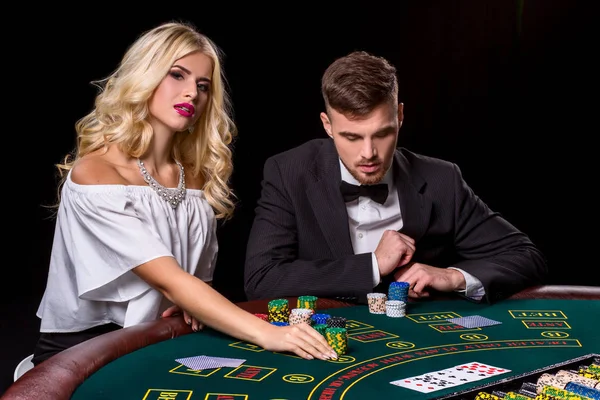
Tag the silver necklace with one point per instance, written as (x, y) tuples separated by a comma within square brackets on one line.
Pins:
[(171, 196)]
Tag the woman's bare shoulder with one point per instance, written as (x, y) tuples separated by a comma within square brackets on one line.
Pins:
[(97, 169)]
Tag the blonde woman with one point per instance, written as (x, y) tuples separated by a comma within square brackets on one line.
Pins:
[(139, 202)]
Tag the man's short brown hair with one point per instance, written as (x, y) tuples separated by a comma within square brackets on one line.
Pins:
[(355, 84)]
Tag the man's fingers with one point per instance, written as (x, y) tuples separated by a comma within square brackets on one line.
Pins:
[(407, 238)]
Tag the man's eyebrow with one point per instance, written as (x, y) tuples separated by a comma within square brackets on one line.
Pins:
[(187, 71), (385, 129)]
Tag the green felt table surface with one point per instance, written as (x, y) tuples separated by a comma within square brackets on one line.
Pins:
[(532, 334)]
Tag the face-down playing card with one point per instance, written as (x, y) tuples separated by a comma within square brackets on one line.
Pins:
[(208, 362), (474, 321)]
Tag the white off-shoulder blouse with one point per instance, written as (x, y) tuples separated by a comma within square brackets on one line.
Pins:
[(102, 232)]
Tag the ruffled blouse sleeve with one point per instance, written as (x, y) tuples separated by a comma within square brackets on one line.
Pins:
[(108, 238)]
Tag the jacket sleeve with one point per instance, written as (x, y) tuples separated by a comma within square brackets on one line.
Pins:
[(502, 257), (272, 266)]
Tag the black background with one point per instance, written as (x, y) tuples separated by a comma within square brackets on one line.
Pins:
[(508, 95)]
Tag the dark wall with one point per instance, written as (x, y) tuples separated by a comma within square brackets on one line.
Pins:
[(498, 89)]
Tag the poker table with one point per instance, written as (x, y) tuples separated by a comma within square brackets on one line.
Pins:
[(539, 327)]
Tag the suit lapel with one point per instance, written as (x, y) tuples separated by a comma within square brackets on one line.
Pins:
[(415, 207), (327, 202)]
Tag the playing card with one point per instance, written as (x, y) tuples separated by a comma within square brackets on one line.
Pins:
[(454, 375), (425, 383), (449, 377), (429, 382), (474, 321), (474, 371), (208, 362)]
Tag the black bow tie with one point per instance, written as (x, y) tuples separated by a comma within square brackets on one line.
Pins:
[(378, 193)]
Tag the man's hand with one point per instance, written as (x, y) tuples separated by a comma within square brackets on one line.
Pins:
[(176, 310), (421, 277), (394, 250)]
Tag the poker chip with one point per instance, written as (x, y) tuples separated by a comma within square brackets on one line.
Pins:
[(278, 310), (376, 302), (594, 367), (264, 317), (307, 302), (279, 323), (336, 322), (548, 380), (528, 389), (486, 396), (515, 396), (562, 393), (571, 377), (588, 373), (321, 328), (320, 318), (398, 291), (300, 315), (582, 390), (337, 338), (395, 308)]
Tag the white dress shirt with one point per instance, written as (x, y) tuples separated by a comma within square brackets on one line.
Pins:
[(367, 220)]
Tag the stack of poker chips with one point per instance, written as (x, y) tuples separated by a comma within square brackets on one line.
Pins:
[(337, 338), (262, 316), (319, 319), (515, 396), (563, 384), (583, 390), (582, 380), (376, 302), (307, 302), (319, 322), (528, 389), (395, 308), (398, 291), (556, 393), (336, 322), (278, 310), (321, 328), (279, 323), (486, 396), (590, 371), (300, 315)]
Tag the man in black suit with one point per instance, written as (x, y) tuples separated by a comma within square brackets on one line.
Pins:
[(318, 232)]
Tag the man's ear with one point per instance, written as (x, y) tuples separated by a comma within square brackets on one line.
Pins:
[(400, 114), (326, 124)]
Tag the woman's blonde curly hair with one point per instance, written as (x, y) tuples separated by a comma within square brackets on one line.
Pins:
[(120, 115)]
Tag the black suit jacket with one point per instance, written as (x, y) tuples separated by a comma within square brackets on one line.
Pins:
[(300, 242)]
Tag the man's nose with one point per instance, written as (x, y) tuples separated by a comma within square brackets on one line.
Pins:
[(368, 150)]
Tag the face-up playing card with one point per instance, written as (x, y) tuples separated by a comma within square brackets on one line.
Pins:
[(449, 377), (474, 371), (425, 383), (474, 321), (208, 362)]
